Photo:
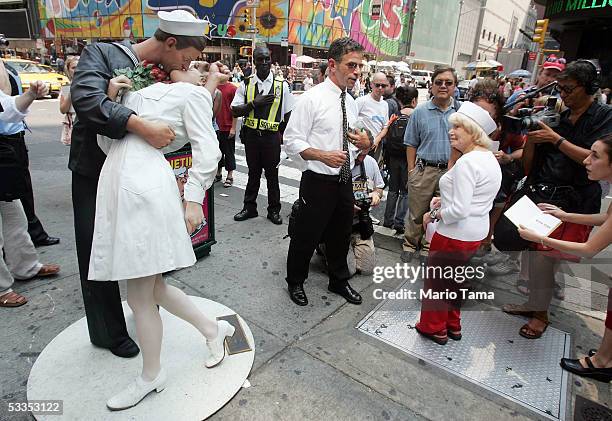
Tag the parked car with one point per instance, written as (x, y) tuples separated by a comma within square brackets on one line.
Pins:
[(463, 87), (30, 71), (422, 78)]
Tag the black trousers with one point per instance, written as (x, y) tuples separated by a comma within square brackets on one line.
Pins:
[(227, 145), (262, 153), (35, 228), (102, 300), (326, 214)]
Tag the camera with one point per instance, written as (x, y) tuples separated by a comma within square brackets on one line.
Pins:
[(527, 120), (3, 41), (363, 201)]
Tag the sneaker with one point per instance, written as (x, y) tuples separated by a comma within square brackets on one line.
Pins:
[(504, 268), (399, 230), (375, 221), (494, 258), (407, 256)]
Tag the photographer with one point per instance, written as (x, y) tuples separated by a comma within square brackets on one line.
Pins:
[(553, 161), (368, 188)]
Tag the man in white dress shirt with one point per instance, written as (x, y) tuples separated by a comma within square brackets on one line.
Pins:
[(318, 137)]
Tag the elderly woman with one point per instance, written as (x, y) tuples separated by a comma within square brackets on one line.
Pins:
[(467, 193), (598, 365)]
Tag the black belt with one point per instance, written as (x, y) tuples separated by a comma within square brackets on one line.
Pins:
[(322, 177), (14, 136), (442, 165)]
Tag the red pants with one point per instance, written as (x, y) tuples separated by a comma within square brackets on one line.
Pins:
[(440, 314)]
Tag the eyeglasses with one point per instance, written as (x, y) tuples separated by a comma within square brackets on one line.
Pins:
[(353, 66), (439, 82), (567, 89), (381, 85)]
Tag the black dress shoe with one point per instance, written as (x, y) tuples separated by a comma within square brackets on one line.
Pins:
[(275, 218), (126, 349), (347, 292), (592, 352), (297, 294), (244, 214), (47, 241), (574, 366)]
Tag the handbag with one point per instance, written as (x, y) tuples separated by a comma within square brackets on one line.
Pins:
[(506, 236), (66, 135)]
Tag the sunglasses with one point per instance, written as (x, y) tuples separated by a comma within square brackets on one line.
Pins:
[(444, 82), (381, 85), (567, 89), (353, 66)]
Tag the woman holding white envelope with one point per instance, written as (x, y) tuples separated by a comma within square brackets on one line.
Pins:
[(598, 365), (467, 193)]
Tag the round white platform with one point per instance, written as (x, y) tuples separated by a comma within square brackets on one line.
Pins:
[(70, 368)]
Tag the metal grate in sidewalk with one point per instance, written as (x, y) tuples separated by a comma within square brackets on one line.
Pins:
[(491, 354)]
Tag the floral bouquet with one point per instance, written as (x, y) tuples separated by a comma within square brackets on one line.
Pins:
[(141, 76)]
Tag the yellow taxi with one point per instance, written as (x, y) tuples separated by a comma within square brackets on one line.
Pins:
[(30, 71)]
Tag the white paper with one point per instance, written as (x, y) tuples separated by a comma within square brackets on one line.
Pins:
[(526, 213), (431, 230)]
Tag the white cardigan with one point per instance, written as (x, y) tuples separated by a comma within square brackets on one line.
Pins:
[(467, 193)]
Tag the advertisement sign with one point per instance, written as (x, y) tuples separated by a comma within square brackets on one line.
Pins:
[(294, 60), (203, 237), (376, 6)]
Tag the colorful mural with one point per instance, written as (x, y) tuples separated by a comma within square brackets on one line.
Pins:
[(313, 23)]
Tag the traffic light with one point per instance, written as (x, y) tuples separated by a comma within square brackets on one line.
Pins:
[(246, 16), (540, 32), (246, 51)]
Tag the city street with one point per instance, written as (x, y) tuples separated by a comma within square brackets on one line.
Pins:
[(311, 363)]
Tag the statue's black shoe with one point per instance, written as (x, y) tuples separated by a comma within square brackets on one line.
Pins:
[(126, 349)]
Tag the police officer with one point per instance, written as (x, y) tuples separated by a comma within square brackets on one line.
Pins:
[(265, 102)]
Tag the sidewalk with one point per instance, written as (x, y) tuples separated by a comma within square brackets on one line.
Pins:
[(311, 362)]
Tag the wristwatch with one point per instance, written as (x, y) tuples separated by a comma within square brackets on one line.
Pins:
[(559, 142), (434, 214)]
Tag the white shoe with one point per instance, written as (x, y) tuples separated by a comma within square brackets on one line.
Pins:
[(136, 392), (216, 347)]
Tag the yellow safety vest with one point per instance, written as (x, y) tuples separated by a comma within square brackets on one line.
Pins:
[(271, 124)]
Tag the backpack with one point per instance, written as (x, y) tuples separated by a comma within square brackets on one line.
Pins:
[(394, 141)]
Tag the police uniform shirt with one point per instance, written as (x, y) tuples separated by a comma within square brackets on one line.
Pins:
[(263, 87)]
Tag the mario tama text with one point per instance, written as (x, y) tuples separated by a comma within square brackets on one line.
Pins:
[(463, 294)]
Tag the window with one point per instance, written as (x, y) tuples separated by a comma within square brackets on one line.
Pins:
[(484, 31), (478, 56), (494, 37), (489, 35)]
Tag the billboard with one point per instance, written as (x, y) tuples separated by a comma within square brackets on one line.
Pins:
[(308, 22)]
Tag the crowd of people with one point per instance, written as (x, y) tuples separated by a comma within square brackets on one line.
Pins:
[(444, 174)]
